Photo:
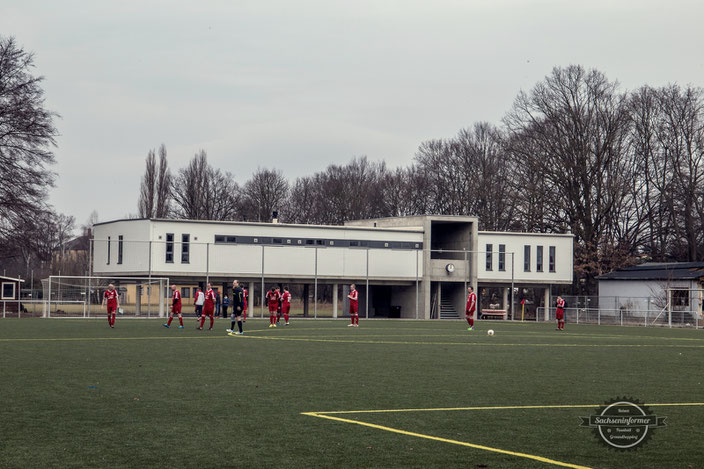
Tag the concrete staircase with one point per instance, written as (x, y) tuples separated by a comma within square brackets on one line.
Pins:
[(448, 310)]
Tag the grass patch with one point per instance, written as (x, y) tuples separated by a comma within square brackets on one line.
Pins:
[(78, 394)]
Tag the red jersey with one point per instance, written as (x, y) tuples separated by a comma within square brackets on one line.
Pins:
[(111, 297), (176, 298), (286, 298), (561, 303), (273, 298), (354, 297), (471, 303), (244, 307), (210, 299)]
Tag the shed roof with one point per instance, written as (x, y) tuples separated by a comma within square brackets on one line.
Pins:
[(658, 271), (12, 279)]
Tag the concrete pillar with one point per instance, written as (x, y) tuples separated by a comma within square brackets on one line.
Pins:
[(504, 304), (547, 305), (162, 298), (138, 300), (345, 300), (306, 299), (334, 300)]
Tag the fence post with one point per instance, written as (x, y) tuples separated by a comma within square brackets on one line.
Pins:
[(263, 298), (598, 316), (315, 287), (366, 306), (48, 309), (416, 284), (512, 282), (207, 262), (669, 308)]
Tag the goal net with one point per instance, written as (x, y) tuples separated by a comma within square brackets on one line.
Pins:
[(82, 296)]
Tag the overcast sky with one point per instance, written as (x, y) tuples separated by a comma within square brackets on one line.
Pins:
[(298, 85)]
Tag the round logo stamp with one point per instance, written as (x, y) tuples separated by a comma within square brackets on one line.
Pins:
[(623, 423)]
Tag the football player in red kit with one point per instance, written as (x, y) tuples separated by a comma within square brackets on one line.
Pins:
[(244, 311), (354, 306), (175, 307), (272, 298), (560, 313), (285, 304), (470, 308), (110, 297), (208, 307)]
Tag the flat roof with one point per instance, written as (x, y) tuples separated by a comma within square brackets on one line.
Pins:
[(526, 233), (2, 277), (409, 229), (658, 271)]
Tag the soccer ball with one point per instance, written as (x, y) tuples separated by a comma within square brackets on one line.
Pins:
[(490, 332)]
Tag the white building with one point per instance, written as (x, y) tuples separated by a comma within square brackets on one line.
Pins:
[(655, 289), (420, 264)]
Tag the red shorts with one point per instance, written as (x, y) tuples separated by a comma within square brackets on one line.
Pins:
[(353, 307), (559, 314), (469, 313), (112, 307), (176, 309), (285, 308), (272, 310), (208, 310)]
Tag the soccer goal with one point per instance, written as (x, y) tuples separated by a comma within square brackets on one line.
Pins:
[(82, 296)]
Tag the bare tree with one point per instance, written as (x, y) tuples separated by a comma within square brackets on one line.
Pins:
[(27, 133), (572, 128), (266, 191), (147, 190), (201, 192), (155, 190)]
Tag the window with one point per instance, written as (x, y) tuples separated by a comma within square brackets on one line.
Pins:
[(354, 243), (288, 241), (526, 258), (219, 239), (8, 290), (502, 258), (185, 248), (552, 259), (309, 241), (319, 242), (539, 259), (119, 249), (108, 250), (169, 247), (186, 292), (277, 241), (489, 257)]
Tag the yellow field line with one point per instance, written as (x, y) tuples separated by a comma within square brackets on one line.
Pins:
[(71, 339), (477, 344), (328, 415), (512, 407), (503, 333), (445, 440)]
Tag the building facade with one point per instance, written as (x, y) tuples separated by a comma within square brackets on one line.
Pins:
[(416, 267)]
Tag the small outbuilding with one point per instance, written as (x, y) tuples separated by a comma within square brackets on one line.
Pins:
[(10, 294), (667, 291)]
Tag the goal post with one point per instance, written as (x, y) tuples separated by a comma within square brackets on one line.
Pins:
[(75, 296)]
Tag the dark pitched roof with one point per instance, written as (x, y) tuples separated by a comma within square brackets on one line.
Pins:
[(658, 271)]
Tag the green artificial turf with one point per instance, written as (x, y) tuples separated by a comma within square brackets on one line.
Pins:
[(79, 394)]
